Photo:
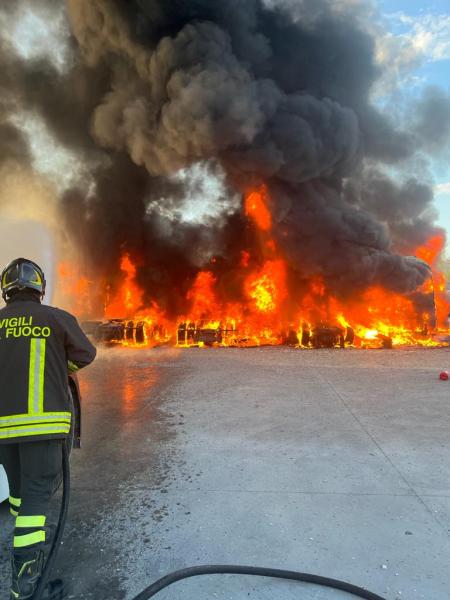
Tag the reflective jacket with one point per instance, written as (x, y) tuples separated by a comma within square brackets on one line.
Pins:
[(38, 344)]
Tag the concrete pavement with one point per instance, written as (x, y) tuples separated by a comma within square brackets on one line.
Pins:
[(331, 462)]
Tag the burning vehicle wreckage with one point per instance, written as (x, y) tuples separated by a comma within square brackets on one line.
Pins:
[(150, 330), (201, 334)]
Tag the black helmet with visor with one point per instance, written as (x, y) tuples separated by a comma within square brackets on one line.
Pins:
[(22, 274)]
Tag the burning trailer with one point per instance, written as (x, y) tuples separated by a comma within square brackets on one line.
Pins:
[(204, 334), (325, 336), (125, 332)]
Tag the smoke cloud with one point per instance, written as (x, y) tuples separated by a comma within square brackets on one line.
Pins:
[(432, 121)]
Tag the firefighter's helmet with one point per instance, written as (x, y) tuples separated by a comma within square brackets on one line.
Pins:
[(22, 274)]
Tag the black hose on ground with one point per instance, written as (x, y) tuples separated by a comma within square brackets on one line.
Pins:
[(172, 578), (165, 582), (38, 594)]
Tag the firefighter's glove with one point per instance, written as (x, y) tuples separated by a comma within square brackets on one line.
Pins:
[(73, 368)]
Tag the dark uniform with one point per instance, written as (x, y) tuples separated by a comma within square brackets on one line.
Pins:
[(39, 345)]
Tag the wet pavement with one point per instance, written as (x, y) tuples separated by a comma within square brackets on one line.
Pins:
[(331, 462)]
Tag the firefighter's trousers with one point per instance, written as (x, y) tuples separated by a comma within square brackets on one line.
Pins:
[(31, 469)]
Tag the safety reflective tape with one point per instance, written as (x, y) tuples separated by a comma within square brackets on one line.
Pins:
[(28, 419), (15, 501), (31, 375), (22, 541), (44, 414), (13, 512), (36, 376), (41, 375), (38, 425), (27, 431), (33, 521)]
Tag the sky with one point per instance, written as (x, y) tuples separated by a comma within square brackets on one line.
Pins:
[(427, 24)]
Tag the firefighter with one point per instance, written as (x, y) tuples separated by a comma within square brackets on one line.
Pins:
[(39, 346)]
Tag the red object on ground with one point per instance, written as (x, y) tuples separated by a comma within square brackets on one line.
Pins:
[(443, 375)]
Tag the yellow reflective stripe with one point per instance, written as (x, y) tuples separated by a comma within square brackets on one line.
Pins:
[(73, 368), (43, 414), (36, 376), (24, 431), (22, 541), (33, 521), (14, 502), (36, 380), (31, 419), (31, 376), (41, 375), (39, 424)]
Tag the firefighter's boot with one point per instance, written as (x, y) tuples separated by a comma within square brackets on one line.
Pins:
[(26, 573)]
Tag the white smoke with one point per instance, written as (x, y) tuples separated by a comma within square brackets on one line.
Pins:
[(29, 224)]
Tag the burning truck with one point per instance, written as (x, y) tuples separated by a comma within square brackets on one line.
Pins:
[(125, 331)]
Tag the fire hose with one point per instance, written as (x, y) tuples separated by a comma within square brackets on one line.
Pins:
[(172, 578), (42, 586)]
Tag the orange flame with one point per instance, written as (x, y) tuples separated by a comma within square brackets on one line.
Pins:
[(267, 289), (431, 253), (432, 250), (245, 259), (256, 208), (129, 298), (202, 295)]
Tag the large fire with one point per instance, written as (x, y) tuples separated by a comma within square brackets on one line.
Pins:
[(266, 310)]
